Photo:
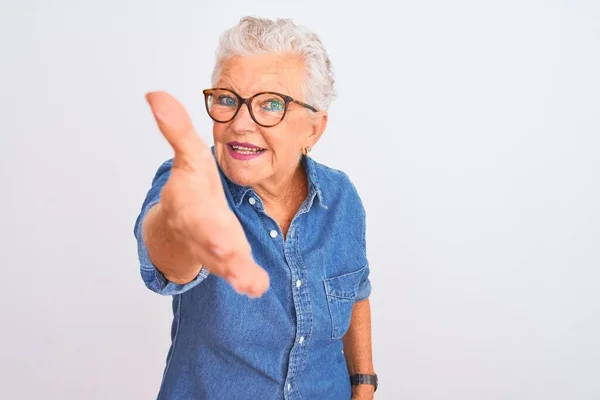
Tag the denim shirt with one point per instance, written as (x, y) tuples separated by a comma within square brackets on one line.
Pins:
[(286, 344)]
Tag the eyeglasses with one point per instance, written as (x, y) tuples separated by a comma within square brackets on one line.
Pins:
[(266, 108)]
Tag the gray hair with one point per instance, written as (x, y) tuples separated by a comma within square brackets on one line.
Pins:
[(254, 36)]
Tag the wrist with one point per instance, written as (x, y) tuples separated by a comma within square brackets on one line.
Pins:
[(363, 389), (364, 382)]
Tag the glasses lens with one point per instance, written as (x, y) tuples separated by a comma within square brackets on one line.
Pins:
[(268, 108), (221, 104)]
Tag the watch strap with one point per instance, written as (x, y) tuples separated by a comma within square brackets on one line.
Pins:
[(364, 379)]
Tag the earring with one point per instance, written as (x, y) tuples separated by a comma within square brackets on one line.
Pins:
[(307, 150)]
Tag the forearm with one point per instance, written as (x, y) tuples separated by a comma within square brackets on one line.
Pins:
[(170, 255), (357, 348), (357, 341)]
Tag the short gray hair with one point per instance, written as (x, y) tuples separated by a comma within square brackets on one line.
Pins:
[(254, 36)]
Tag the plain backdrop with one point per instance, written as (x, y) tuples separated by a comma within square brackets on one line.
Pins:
[(470, 128)]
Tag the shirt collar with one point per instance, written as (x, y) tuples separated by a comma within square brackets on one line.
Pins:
[(239, 192)]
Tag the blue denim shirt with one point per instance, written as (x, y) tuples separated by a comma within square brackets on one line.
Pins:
[(286, 344)]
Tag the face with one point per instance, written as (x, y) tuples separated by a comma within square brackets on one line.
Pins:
[(279, 147)]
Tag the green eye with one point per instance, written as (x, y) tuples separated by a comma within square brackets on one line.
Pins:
[(273, 105)]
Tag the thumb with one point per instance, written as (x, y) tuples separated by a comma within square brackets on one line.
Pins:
[(175, 124)]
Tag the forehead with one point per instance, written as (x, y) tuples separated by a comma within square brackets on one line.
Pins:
[(248, 75)]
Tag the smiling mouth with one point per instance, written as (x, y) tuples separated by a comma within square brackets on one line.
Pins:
[(246, 150)]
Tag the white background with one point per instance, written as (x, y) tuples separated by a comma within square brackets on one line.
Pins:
[(470, 128)]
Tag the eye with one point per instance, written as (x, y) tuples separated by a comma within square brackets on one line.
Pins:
[(273, 105), (227, 101)]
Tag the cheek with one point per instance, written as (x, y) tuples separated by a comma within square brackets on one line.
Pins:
[(282, 146), (288, 140)]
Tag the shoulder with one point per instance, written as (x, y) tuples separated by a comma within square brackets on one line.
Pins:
[(163, 171), (337, 186)]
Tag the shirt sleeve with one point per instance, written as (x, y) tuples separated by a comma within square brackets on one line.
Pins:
[(364, 288), (153, 278)]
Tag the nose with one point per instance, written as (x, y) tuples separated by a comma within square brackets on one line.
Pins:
[(243, 122)]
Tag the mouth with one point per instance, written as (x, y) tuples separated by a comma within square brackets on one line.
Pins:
[(244, 151)]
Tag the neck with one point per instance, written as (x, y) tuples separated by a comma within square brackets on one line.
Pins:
[(286, 191)]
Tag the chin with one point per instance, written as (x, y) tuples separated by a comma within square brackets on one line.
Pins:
[(241, 176)]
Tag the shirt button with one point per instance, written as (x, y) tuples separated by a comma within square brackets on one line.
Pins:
[(273, 233), (289, 387), (252, 201), (298, 283), (301, 339)]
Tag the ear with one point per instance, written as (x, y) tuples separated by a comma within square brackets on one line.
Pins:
[(319, 124)]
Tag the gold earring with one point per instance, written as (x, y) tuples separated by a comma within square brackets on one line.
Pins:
[(307, 150)]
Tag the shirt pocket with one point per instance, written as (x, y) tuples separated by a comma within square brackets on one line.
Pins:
[(341, 292)]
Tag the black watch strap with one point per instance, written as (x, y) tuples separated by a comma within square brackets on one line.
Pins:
[(364, 379)]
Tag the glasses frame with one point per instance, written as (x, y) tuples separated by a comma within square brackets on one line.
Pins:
[(248, 102)]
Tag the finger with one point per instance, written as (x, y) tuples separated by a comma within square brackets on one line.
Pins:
[(224, 238), (235, 256), (260, 283), (232, 260), (176, 125), (250, 279)]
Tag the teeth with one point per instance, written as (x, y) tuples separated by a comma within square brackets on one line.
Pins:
[(246, 150)]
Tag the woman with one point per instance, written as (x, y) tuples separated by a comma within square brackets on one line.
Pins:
[(263, 250)]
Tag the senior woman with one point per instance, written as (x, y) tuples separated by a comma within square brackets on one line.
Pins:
[(261, 247)]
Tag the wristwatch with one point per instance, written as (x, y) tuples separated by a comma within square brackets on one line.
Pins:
[(364, 379)]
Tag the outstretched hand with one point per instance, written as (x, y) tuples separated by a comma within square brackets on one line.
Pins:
[(194, 203)]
